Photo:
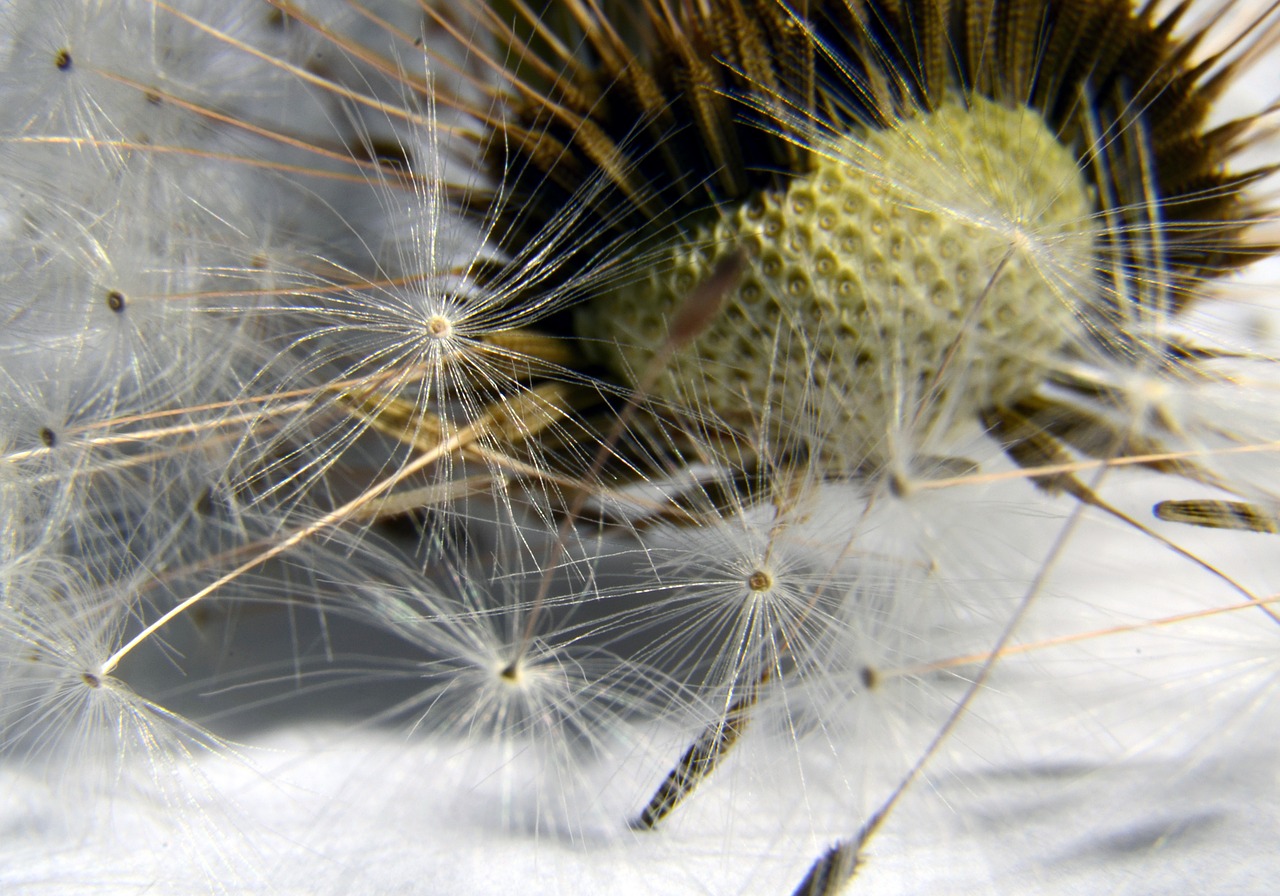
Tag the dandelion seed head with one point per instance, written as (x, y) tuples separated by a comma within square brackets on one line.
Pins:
[(881, 249), (307, 350)]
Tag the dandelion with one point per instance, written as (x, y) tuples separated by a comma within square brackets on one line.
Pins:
[(703, 399), (952, 218), (1028, 171)]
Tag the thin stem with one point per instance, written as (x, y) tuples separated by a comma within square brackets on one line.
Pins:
[(324, 522)]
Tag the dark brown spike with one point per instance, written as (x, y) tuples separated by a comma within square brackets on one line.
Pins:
[(979, 44), (757, 62), (1185, 157), (531, 67), (1107, 45), (498, 67), (878, 95), (613, 56), (1213, 87), (600, 149), (1153, 49), (748, 49), (1021, 28), (933, 19), (1096, 436), (630, 75), (548, 154), (703, 91), (1173, 103), (794, 53), (1234, 515), (1032, 448), (1066, 33), (718, 33), (834, 870), (702, 758)]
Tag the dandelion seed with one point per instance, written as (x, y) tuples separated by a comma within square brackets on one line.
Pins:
[(540, 717), (1218, 515), (102, 750)]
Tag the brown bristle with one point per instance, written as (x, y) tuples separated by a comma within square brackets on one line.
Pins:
[(676, 113)]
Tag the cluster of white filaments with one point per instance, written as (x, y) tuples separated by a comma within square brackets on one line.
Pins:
[(536, 545)]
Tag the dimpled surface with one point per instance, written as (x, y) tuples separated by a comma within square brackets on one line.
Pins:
[(967, 231)]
